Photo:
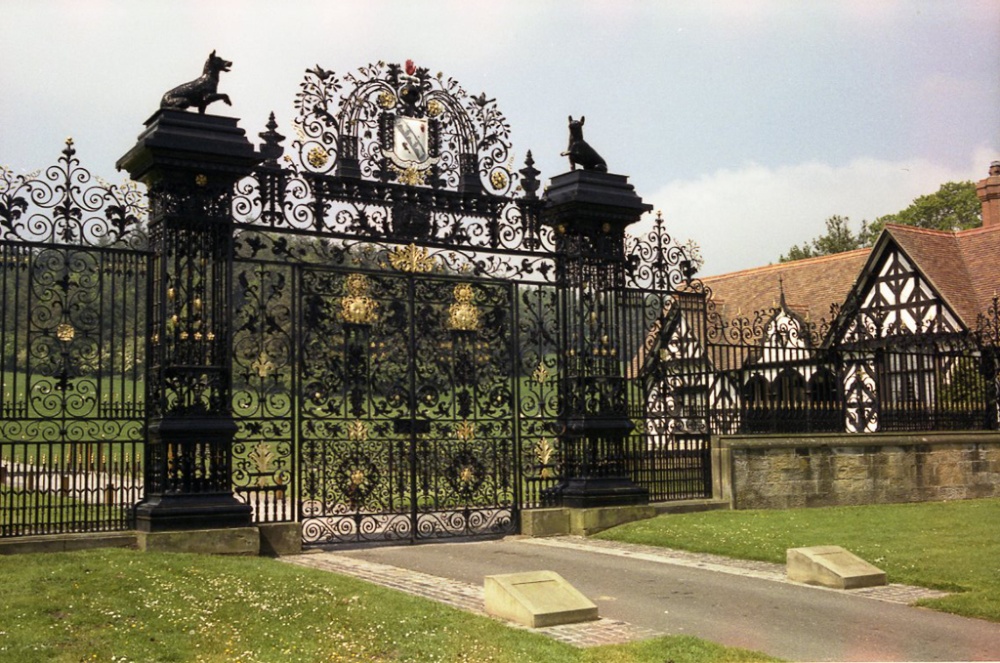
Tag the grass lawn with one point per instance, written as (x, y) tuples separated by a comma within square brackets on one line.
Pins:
[(953, 546), (120, 605)]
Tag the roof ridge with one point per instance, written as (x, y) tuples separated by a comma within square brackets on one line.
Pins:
[(790, 264), (925, 231), (980, 230), (941, 233)]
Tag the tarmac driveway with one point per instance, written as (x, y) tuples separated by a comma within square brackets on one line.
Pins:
[(746, 605)]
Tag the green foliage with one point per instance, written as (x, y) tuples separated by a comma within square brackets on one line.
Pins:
[(966, 385), (120, 605), (838, 238), (955, 206), (944, 545)]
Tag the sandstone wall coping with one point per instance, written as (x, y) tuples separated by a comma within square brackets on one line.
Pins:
[(830, 440)]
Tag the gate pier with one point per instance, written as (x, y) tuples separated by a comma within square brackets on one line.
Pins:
[(189, 163), (589, 210)]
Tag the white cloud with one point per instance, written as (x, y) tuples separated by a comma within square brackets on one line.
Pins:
[(749, 216)]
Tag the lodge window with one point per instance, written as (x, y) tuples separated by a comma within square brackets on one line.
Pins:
[(789, 388), (756, 391), (823, 387)]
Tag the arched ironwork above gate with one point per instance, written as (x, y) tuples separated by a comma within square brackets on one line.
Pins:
[(390, 154), (397, 123)]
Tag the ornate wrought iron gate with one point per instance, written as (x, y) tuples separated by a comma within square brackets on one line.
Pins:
[(388, 403), (399, 370), (73, 287), (407, 412), (381, 335)]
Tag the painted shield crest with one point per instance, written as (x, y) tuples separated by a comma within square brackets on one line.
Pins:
[(411, 147)]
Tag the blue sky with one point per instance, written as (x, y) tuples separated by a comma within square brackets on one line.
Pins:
[(747, 123)]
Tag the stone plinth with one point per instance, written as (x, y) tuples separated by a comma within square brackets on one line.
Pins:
[(227, 541), (832, 566), (581, 522), (536, 599)]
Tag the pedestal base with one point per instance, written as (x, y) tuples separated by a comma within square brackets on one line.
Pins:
[(228, 541), (606, 491), (164, 513)]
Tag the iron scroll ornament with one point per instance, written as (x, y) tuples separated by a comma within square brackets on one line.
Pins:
[(66, 204), (397, 123)]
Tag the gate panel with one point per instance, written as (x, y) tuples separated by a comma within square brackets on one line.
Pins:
[(264, 404), (537, 380), (72, 395), (406, 407), (462, 364), (353, 466)]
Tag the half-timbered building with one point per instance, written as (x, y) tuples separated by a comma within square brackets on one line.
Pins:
[(887, 338)]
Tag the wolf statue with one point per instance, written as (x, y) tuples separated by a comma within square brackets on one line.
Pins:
[(200, 92), (579, 152)]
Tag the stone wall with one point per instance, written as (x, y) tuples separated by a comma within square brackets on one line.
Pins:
[(776, 472)]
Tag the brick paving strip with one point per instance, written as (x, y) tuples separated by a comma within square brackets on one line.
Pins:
[(586, 634), (467, 597)]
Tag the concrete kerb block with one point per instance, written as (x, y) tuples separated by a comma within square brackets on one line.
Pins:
[(585, 522), (67, 542), (832, 566)]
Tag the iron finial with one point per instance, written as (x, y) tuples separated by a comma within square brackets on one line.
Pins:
[(271, 148), (529, 177)]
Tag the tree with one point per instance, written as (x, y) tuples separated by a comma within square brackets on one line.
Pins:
[(955, 206), (838, 238)]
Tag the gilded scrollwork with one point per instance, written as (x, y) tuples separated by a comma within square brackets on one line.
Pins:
[(357, 307), (463, 315)]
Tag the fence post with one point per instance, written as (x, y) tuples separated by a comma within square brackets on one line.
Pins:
[(189, 163), (588, 210)]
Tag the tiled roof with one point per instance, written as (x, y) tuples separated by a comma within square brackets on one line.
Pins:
[(810, 286), (962, 266)]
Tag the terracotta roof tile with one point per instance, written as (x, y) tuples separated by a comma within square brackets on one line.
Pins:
[(811, 286), (961, 266), (981, 250)]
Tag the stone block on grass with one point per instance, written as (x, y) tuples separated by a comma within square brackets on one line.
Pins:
[(832, 566), (536, 599)]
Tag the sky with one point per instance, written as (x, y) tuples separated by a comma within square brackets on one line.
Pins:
[(746, 122)]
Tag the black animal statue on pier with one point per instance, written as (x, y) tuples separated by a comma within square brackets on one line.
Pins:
[(579, 152), (200, 92)]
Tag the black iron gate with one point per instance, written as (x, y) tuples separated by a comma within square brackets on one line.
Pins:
[(375, 404), (399, 371), (369, 335), (406, 406), (73, 289)]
